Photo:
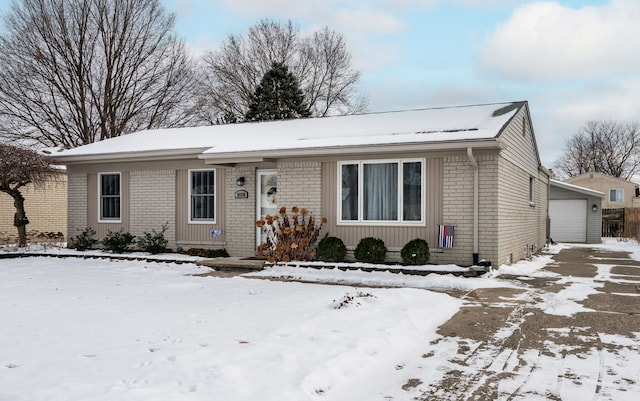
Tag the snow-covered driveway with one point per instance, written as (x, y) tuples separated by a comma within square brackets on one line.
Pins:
[(572, 334)]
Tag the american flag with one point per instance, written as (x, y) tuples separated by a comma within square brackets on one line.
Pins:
[(445, 236)]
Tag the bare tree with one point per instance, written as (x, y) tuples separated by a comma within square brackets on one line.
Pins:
[(320, 63), (19, 167), (77, 71), (607, 147)]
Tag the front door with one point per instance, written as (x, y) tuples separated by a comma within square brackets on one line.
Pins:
[(266, 192)]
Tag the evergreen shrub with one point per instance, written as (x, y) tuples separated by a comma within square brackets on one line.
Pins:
[(207, 253), (331, 249), (370, 250), (415, 252), (154, 242), (84, 240), (118, 242)]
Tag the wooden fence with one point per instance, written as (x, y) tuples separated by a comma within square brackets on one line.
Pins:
[(624, 222)]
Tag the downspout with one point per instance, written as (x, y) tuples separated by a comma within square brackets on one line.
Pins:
[(476, 198), (548, 225)]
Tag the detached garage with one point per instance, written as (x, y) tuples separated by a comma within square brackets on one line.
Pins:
[(575, 213)]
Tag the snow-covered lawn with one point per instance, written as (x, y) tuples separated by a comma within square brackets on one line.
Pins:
[(74, 329), (94, 329)]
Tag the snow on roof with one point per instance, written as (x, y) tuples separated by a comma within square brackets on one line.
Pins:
[(477, 122)]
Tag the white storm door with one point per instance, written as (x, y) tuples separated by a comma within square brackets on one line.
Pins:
[(266, 198)]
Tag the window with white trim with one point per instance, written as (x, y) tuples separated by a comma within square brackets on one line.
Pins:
[(616, 195), (381, 191), (109, 195), (202, 196)]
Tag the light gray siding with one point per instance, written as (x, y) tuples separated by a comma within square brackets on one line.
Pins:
[(198, 235), (77, 195), (240, 228), (153, 203), (522, 225), (458, 207), (102, 229), (300, 184), (152, 194)]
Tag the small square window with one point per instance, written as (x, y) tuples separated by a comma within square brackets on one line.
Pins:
[(616, 195)]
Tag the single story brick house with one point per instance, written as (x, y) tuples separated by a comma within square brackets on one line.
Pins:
[(474, 170)]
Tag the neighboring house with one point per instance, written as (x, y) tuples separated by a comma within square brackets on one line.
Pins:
[(395, 176), (618, 193), (45, 205), (575, 213)]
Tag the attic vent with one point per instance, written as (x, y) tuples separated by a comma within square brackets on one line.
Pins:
[(505, 109)]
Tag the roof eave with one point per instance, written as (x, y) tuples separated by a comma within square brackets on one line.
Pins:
[(262, 155), (576, 188), (172, 154)]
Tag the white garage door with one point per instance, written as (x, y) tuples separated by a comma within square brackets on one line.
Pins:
[(568, 220)]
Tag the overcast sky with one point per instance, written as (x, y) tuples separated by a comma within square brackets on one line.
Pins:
[(573, 60)]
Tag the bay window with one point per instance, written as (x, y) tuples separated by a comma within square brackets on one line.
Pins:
[(381, 191)]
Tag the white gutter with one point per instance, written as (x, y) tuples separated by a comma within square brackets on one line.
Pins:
[(474, 163), (212, 154), (125, 156)]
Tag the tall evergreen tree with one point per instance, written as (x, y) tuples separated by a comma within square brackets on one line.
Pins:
[(319, 60), (277, 97)]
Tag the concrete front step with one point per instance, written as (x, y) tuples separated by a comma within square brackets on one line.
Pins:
[(233, 264)]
